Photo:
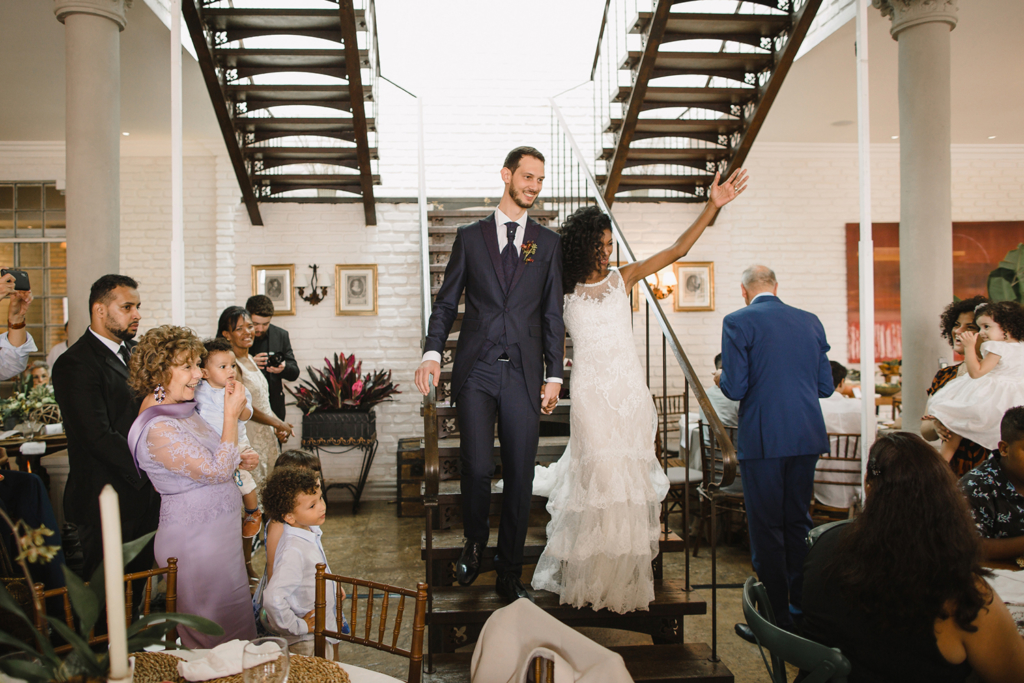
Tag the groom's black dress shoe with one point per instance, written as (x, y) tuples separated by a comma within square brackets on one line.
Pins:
[(511, 588), (468, 566), (744, 632)]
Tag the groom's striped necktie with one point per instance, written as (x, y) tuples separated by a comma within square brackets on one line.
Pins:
[(509, 255)]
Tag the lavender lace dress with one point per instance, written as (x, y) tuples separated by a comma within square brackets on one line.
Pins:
[(199, 520)]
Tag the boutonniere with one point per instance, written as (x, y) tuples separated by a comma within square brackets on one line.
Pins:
[(529, 249)]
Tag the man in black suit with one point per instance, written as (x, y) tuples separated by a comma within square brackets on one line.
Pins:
[(510, 269), (90, 382), (271, 339)]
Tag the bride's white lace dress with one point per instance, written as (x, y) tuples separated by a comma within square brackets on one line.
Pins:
[(606, 490)]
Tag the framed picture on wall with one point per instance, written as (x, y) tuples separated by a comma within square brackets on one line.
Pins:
[(356, 289), (278, 282), (695, 288)]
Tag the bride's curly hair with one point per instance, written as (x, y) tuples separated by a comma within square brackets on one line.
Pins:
[(581, 241)]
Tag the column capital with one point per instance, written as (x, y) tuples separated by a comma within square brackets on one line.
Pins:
[(111, 9), (907, 13)]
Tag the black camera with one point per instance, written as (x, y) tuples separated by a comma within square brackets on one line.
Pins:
[(20, 279), (275, 359)]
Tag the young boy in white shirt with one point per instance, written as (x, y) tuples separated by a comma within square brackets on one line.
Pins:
[(292, 496)]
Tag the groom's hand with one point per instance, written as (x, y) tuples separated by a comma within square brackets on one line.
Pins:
[(549, 397), (423, 375)]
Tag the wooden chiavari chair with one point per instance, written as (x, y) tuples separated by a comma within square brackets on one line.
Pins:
[(843, 458)]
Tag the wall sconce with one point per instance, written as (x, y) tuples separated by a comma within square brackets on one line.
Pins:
[(662, 283), (314, 297)]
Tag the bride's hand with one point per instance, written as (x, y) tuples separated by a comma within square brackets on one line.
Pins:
[(730, 189), (549, 397)]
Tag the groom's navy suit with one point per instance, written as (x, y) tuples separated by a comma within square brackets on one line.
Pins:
[(774, 364), (512, 329)]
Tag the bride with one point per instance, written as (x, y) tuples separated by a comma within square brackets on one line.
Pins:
[(606, 490)]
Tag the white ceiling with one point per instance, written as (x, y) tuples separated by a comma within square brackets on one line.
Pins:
[(987, 83)]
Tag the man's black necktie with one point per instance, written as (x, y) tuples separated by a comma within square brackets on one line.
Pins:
[(509, 255), (125, 354)]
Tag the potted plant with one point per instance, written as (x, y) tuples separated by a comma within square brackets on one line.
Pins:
[(41, 664), (337, 402)]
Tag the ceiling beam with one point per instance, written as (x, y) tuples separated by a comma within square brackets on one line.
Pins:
[(347, 12), (220, 107)]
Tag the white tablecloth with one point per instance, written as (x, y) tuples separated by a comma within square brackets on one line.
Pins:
[(356, 674)]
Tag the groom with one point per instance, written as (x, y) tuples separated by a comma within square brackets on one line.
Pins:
[(510, 269)]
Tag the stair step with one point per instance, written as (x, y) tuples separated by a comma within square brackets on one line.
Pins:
[(272, 157), (260, 96), (456, 218), (708, 129), (548, 445), (473, 604), (248, 23), (678, 183), (739, 28), (300, 181), (732, 65), (449, 491), (717, 99), (251, 62), (276, 127), (448, 410), (446, 373), (674, 663), (694, 157), (448, 543)]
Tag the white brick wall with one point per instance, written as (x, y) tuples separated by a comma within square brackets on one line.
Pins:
[(329, 234)]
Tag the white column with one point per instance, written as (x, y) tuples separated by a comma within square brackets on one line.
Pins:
[(922, 28), (93, 146), (177, 170)]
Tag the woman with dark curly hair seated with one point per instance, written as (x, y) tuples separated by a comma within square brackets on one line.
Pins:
[(972, 405), (899, 590), (192, 468), (606, 490), (957, 318)]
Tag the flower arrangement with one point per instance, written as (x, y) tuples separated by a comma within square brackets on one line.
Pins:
[(87, 600), (27, 400), (340, 388)]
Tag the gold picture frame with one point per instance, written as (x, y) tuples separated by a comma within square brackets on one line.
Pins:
[(276, 281), (695, 286), (355, 289)]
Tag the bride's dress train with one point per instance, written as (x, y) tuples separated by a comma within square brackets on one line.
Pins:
[(605, 492)]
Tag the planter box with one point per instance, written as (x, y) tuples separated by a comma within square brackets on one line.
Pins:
[(339, 429)]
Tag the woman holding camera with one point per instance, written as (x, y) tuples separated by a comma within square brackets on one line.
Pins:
[(236, 326)]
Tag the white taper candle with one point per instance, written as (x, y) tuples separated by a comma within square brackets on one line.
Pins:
[(113, 577)]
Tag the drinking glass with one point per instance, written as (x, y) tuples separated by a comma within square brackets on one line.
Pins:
[(265, 660)]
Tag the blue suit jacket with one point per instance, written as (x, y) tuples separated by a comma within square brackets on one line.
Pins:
[(774, 364)]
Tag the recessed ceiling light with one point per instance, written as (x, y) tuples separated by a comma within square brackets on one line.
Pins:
[(991, 137), (844, 122), (895, 137), (125, 134)]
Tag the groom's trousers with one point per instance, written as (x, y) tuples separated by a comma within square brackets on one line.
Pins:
[(498, 391)]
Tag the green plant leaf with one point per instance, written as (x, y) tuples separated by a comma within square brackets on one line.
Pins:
[(8, 603), (1001, 286), (131, 549), (80, 645), (201, 624), (10, 641), (28, 671), (84, 600)]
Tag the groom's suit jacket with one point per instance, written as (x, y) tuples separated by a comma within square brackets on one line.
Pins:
[(528, 314)]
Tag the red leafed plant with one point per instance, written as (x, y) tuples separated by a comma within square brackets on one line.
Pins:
[(339, 387)]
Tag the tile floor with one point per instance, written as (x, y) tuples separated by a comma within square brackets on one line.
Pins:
[(377, 545)]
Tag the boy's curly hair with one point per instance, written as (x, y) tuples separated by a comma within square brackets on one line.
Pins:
[(1009, 315), (283, 487)]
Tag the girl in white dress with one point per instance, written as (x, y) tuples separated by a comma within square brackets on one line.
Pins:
[(972, 405), (606, 490)]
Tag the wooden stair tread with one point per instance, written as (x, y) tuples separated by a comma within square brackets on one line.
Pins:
[(672, 663), (448, 543), (448, 410), (464, 604), (449, 491), (678, 127), (548, 445), (702, 63), (713, 26)]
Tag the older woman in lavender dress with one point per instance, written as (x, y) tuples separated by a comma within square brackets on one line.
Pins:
[(192, 467)]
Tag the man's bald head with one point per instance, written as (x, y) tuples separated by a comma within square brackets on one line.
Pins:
[(758, 280)]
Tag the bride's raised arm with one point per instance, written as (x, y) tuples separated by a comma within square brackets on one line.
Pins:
[(718, 196)]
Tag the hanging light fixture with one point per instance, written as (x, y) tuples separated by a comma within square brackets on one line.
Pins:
[(314, 297)]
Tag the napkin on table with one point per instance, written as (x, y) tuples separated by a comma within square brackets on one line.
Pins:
[(223, 660)]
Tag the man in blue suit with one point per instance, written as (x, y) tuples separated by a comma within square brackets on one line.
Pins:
[(774, 364)]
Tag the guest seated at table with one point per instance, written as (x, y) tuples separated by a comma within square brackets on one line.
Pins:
[(995, 492), (842, 416), (955, 320), (727, 409), (293, 497), (193, 470), (39, 371), (899, 590)]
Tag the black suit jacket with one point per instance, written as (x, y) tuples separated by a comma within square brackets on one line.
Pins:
[(277, 341), (91, 387), (529, 313)]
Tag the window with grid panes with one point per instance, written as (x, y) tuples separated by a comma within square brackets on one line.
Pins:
[(33, 239)]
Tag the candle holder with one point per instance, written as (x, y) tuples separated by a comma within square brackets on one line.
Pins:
[(314, 297)]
